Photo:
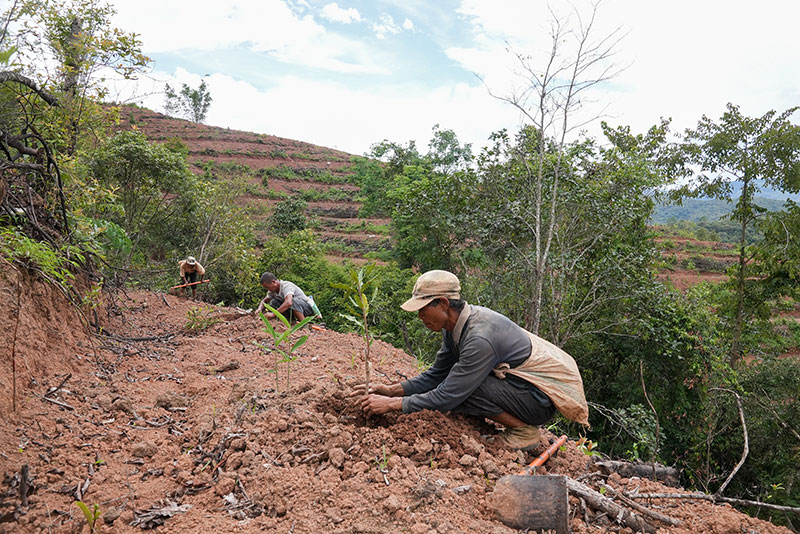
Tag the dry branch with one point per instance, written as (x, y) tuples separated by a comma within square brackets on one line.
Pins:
[(746, 449), (618, 513), (7, 76), (652, 471), (642, 509), (712, 498)]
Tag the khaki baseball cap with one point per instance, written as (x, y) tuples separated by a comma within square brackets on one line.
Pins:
[(433, 285)]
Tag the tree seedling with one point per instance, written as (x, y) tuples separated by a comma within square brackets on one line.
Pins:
[(361, 281), (280, 354), (91, 515)]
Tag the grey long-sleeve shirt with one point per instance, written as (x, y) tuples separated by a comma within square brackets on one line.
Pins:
[(468, 354)]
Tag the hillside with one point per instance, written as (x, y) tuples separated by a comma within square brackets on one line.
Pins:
[(275, 169), (160, 425)]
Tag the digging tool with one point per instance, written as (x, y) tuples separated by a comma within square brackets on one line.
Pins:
[(535, 502), (190, 284)]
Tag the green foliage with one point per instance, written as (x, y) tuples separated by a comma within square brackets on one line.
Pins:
[(199, 319), (53, 263), (288, 216), (91, 516), (191, 103), (281, 354)]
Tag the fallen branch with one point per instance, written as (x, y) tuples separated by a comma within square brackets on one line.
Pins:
[(616, 512), (642, 509), (652, 471), (712, 498), (53, 391), (163, 337), (56, 402)]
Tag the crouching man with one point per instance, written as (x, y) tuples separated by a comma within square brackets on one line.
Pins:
[(487, 366), (288, 299)]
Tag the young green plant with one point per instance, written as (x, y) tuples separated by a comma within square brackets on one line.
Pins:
[(280, 354), (91, 515), (362, 282)]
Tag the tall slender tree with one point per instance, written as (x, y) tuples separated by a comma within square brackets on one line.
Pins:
[(735, 158)]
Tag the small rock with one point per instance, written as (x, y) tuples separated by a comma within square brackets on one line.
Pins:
[(111, 515), (423, 446), (238, 444), (391, 503), (225, 486), (336, 457), (333, 515), (489, 467), (459, 490), (467, 460), (146, 449), (123, 405), (471, 446), (170, 399), (419, 528)]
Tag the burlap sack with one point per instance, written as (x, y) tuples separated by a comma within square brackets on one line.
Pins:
[(554, 372)]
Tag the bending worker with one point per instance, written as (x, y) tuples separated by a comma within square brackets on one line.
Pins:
[(284, 296), (190, 269), (487, 366)]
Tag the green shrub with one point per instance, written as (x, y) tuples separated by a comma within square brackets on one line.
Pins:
[(288, 216)]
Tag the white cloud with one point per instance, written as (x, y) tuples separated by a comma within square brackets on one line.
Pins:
[(408, 25), (386, 25), (335, 13), (269, 26), (679, 66)]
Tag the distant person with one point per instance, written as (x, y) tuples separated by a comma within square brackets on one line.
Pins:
[(190, 270), (487, 366), (284, 296)]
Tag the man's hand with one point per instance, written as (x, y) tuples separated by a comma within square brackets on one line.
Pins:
[(378, 404), (378, 389)]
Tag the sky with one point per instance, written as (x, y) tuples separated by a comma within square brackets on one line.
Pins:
[(348, 74)]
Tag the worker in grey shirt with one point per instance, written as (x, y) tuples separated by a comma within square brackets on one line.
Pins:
[(284, 296), (476, 341)]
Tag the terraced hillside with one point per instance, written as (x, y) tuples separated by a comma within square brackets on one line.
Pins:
[(688, 262), (275, 169)]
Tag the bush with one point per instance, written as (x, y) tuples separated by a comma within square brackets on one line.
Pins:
[(288, 216)]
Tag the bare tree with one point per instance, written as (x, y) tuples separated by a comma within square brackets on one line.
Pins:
[(550, 98)]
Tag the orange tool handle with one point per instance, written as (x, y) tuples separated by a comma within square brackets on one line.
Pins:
[(544, 456), (191, 284)]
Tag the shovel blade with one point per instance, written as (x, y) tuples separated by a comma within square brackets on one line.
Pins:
[(535, 502)]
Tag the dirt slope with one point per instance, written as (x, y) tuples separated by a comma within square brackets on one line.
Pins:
[(150, 415)]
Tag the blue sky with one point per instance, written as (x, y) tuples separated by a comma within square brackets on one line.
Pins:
[(347, 74)]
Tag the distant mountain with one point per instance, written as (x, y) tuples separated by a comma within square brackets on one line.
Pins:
[(711, 209), (695, 209)]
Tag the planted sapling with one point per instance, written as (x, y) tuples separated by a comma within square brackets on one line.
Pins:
[(362, 281), (280, 354)]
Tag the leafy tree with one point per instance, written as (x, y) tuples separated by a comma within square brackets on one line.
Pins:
[(599, 252), (191, 103), (146, 178), (425, 195), (756, 153)]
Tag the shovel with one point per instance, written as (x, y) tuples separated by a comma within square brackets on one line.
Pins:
[(535, 502)]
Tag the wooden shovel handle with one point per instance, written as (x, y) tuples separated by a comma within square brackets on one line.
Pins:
[(544, 456)]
